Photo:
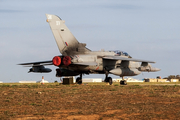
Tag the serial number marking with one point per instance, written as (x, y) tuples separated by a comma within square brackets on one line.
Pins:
[(57, 22)]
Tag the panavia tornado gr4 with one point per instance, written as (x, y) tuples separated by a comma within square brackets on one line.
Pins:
[(76, 59)]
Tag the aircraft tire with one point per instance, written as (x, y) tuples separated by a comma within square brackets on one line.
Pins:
[(78, 80), (110, 80), (106, 80), (123, 82)]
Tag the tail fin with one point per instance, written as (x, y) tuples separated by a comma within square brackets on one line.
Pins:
[(67, 43)]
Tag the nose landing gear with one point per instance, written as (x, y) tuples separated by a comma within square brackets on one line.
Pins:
[(123, 82)]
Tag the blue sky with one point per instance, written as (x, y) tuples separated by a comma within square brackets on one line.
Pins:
[(145, 29)]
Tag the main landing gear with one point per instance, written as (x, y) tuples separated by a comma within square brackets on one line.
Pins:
[(79, 79), (123, 82), (108, 79)]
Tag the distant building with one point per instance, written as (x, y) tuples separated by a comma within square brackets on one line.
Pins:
[(92, 80), (129, 80), (45, 81), (27, 81), (160, 80)]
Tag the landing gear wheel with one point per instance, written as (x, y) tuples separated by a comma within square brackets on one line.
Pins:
[(79, 80), (110, 80), (106, 80), (123, 82)]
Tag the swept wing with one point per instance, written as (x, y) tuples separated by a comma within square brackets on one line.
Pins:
[(49, 62), (126, 59), (86, 63), (44, 63)]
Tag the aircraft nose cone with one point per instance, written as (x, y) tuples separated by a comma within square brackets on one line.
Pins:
[(157, 69), (154, 69)]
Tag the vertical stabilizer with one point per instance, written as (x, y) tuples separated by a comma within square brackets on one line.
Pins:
[(67, 43)]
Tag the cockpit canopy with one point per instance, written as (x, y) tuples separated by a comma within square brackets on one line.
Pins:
[(121, 53)]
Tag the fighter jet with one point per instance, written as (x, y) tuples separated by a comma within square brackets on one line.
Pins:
[(77, 59)]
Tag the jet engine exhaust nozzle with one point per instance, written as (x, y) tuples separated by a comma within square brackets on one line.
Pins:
[(66, 60), (56, 60)]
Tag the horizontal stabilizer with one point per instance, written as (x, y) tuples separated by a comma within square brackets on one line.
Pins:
[(37, 63), (125, 59)]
